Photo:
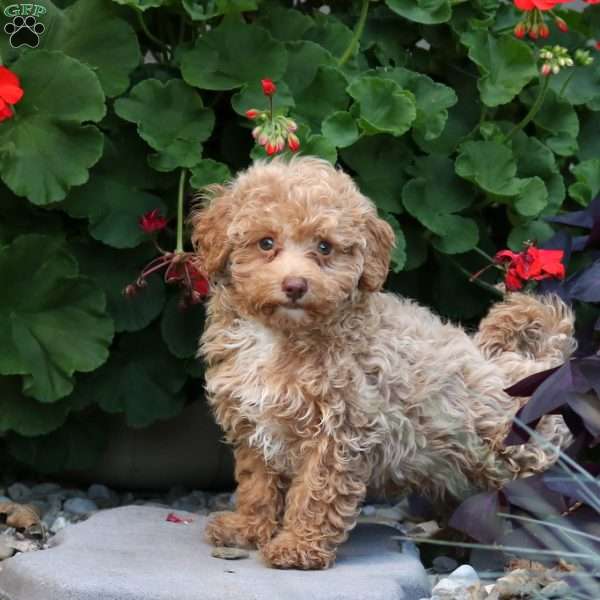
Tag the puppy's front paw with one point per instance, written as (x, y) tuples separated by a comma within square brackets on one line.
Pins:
[(237, 530), (286, 551)]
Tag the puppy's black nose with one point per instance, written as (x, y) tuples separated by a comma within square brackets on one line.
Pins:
[(294, 287)]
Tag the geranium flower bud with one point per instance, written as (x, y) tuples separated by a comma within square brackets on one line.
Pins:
[(555, 69), (520, 30), (268, 87), (130, 290), (252, 113), (263, 140), (256, 132), (546, 70), (291, 125), (561, 24), (271, 149), (544, 30), (533, 32), (293, 142)]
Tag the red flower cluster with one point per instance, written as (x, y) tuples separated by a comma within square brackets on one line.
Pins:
[(10, 92), (152, 221), (179, 267), (272, 132), (531, 264)]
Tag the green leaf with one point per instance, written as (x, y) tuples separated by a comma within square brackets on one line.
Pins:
[(284, 24), (330, 33), (379, 162), (141, 379), (455, 234), (506, 64), (113, 200), (589, 136), (432, 196), (77, 445), (171, 118), (340, 129), (324, 95), (535, 159), (583, 86), (142, 4), (89, 31), (432, 99), (532, 197), (201, 10), (304, 60), (317, 145), (587, 185), (490, 165), (128, 313), (233, 54), (398, 256), (428, 12), (416, 247), (532, 231), (207, 172), (384, 107), (25, 416), (181, 327), (60, 94), (558, 121), (38, 331)]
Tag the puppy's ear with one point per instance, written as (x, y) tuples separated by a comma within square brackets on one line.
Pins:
[(380, 241), (209, 228)]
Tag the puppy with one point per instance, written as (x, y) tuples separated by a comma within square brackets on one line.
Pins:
[(324, 384)]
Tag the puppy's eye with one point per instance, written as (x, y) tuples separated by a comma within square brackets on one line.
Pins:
[(266, 244), (324, 247)]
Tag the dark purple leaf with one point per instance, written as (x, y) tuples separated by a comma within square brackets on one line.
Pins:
[(526, 387), (532, 495), (561, 240), (587, 406), (589, 367), (478, 517), (593, 240), (585, 284), (581, 218), (551, 394), (570, 486)]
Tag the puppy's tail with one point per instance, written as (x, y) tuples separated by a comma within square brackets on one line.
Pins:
[(523, 335), (526, 334)]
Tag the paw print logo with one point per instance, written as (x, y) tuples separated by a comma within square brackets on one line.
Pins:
[(24, 31)]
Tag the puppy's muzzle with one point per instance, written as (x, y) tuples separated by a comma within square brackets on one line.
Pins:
[(294, 287)]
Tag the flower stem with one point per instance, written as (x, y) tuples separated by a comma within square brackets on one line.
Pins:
[(566, 84), (360, 26), (533, 111), (180, 194), (148, 33), (484, 254)]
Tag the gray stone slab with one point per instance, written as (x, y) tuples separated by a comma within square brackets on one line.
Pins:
[(132, 553)]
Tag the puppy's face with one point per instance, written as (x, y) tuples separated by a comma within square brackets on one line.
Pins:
[(293, 241)]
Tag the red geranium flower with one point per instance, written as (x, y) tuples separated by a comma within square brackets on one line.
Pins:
[(10, 92), (268, 87), (542, 5), (152, 221), (531, 264)]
